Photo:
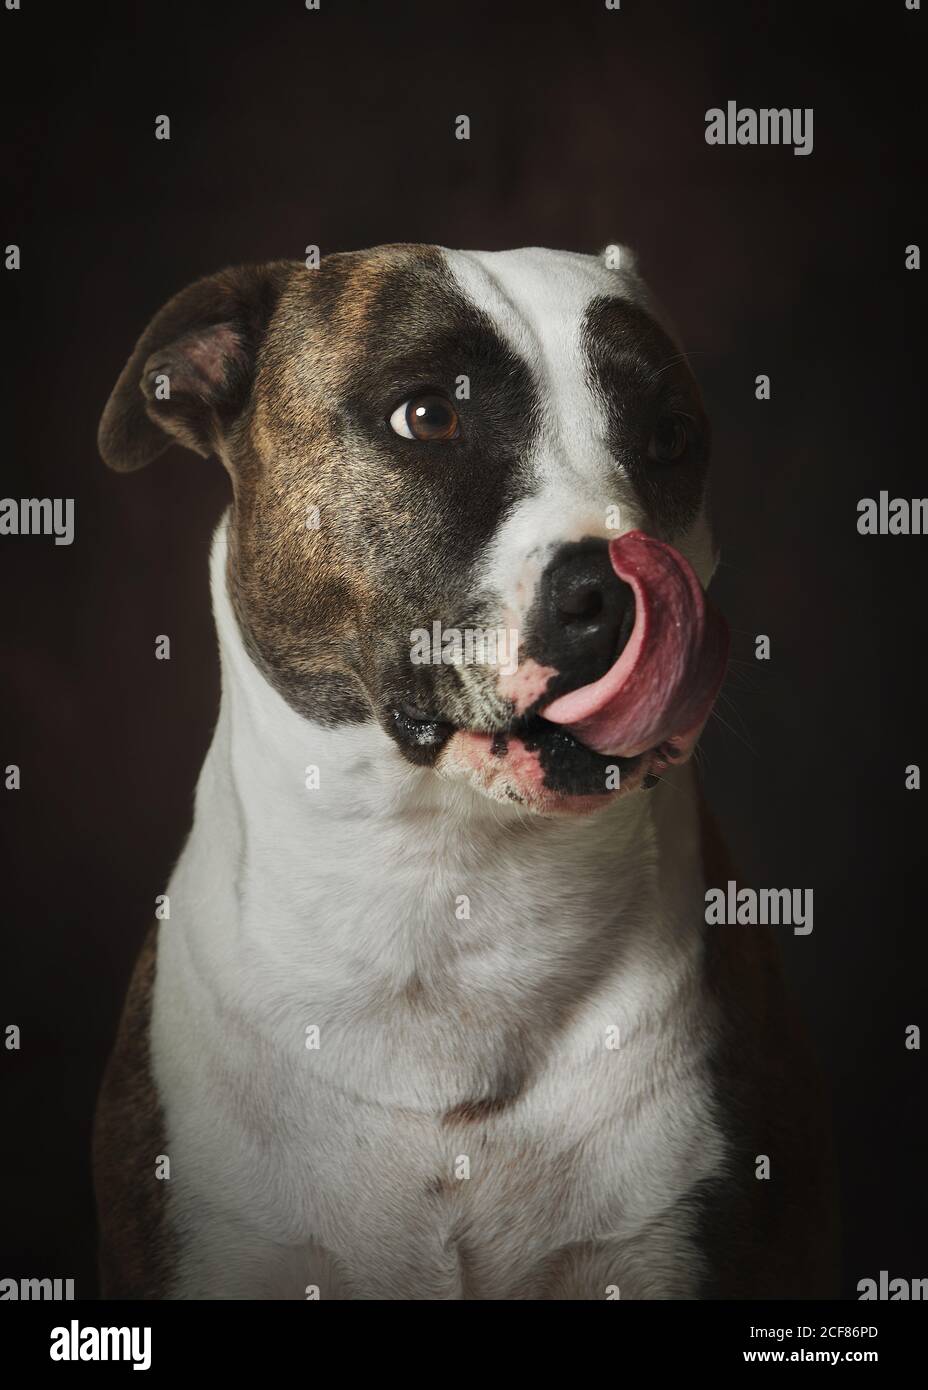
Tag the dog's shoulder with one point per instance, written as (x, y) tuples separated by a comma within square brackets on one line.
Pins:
[(129, 1136)]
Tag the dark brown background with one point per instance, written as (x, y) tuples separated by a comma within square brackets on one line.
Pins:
[(335, 128)]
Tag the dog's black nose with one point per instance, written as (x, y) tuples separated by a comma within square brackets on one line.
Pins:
[(585, 615)]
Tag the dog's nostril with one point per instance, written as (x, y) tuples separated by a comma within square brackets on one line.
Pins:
[(585, 613), (582, 604)]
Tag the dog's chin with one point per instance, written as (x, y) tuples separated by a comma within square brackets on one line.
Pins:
[(534, 764)]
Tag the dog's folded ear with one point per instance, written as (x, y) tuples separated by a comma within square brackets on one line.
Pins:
[(191, 371)]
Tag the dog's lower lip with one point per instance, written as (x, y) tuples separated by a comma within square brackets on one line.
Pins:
[(428, 727), (567, 766), (418, 730), (530, 729), (533, 725)]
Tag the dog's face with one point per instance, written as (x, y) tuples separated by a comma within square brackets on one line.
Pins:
[(430, 454)]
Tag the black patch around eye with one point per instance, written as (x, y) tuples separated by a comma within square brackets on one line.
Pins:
[(420, 332), (644, 380), (417, 330)]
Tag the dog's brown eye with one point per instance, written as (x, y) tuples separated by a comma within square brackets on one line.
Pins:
[(670, 439), (426, 418)]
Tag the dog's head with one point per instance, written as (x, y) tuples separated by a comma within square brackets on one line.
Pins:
[(463, 488)]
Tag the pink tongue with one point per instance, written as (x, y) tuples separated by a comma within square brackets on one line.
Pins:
[(662, 687)]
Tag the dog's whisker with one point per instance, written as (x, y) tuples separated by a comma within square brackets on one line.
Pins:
[(740, 737)]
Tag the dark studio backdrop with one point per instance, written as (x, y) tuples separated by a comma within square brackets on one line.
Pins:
[(335, 128)]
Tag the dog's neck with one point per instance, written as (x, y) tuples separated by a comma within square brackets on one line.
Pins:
[(344, 857)]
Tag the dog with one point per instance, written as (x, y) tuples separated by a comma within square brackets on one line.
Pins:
[(435, 1012)]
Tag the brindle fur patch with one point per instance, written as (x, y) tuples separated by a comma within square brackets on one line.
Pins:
[(137, 1254), (329, 612)]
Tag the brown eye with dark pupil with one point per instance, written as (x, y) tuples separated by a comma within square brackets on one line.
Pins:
[(670, 439), (431, 417)]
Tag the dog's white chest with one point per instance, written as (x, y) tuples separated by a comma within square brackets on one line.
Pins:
[(473, 1139)]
